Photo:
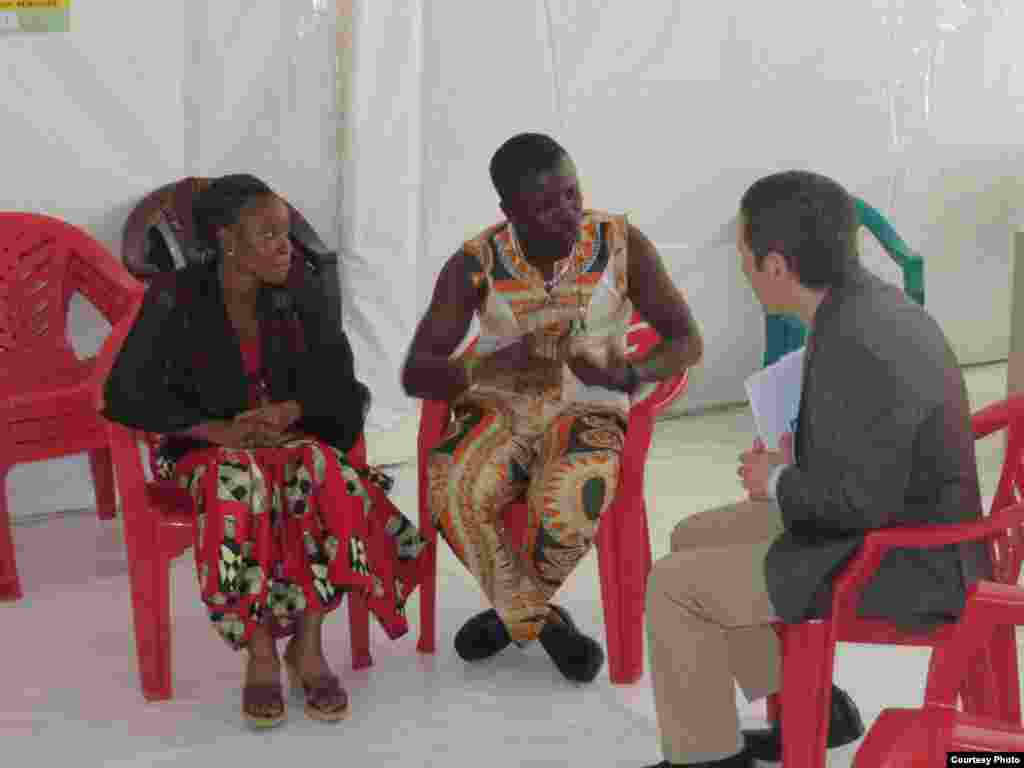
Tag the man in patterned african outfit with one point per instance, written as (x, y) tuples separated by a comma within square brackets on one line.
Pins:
[(541, 402)]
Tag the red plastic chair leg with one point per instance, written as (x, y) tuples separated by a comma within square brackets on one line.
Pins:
[(151, 616), (428, 591), (806, 693), (434, 418), (638, 570), (1006, 673), (981, 694), (359, 626), (103, 483), (148, 571), (613, 602), (10, 586), (623, 583), (974, 693)]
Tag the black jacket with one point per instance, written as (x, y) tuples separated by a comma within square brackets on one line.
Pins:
[(181, 364), (883, 439)]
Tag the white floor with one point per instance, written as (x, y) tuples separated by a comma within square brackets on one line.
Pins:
[(68, 685)]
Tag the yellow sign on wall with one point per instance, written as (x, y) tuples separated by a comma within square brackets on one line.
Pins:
[(34, 15)]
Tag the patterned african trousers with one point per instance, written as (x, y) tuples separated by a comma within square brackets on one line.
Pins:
[(566, 467), (284, 532)]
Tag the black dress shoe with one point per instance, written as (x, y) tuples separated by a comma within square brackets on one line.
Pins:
[(578, 657), (740, 760), (844, 726), (482, 636)]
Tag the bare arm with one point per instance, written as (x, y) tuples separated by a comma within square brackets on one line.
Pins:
[(428, 372), (661, 304)]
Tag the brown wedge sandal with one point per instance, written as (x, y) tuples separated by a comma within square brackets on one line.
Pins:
[(259, 697), (319, 694)]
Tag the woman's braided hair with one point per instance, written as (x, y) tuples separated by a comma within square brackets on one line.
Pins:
[(220, 205)]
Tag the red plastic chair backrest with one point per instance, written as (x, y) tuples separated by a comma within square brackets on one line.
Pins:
[(33, 296), (1008, 552), (43, 262)]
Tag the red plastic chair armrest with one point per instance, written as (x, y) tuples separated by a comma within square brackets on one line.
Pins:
[(666, 393), (97, 268), (878, 543), (998, 415)]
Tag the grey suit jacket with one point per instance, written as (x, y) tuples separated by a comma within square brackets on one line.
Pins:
[(883, 439)]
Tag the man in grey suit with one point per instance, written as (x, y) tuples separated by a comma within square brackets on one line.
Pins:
[(883, 438)]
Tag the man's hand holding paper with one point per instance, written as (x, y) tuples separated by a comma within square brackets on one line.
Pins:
[(757, 464)]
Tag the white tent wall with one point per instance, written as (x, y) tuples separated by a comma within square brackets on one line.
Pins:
[(670, 109), (92, 121), (260, 97), (138, 94), (382, 255)]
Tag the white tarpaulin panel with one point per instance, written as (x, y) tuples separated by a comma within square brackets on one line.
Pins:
[(92, 121), (260, 98), (671, 110), (142, 93)]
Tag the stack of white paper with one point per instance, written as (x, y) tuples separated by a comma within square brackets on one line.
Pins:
[(774, 394)]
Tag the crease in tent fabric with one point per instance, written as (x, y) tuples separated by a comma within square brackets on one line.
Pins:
[(556, 78)]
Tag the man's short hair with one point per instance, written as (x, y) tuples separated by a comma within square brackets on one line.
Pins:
[(521, 157), (809, 219)]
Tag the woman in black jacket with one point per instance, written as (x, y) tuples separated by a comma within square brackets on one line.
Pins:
[(236, 362)]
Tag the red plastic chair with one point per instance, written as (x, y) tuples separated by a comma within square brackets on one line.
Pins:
[(45, 406), (808, 649), (158, 523), (623, 542), (920, 738)]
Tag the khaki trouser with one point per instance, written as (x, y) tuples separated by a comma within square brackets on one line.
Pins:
[(708, 615)]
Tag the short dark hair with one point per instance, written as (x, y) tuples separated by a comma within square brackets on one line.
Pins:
[(523, 156), (807, 218), (222, 202)]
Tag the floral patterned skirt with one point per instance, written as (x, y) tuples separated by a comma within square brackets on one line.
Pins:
[(284, 532)]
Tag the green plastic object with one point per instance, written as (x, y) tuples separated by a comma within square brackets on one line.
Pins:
[(910, 262), (786, 333)]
